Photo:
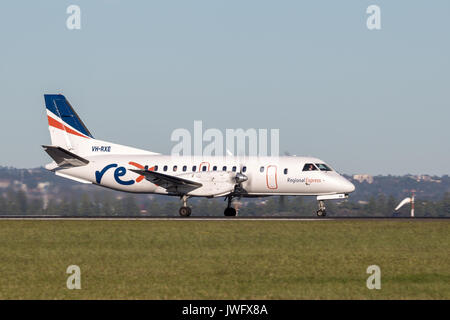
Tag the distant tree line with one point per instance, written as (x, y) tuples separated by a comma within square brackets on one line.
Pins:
[(17, 203), (106, 204), (376, 206), (38, 191)]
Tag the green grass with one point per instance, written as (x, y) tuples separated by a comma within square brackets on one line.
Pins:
[(225, 259)]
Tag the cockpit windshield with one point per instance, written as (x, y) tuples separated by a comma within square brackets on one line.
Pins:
[(309, 167), (323, 167)]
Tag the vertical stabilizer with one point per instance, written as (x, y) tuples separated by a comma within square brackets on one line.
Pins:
[(68, 131), (65, 125)]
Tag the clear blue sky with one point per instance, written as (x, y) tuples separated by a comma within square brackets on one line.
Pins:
[(365, 101)]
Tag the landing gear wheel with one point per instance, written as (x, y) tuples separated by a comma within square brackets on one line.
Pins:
[(185, 211), (230, 212), (321, 213)]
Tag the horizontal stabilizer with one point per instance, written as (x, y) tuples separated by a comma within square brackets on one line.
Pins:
[(64, 158)]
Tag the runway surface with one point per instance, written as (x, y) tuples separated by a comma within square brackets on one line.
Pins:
[(216, 218)]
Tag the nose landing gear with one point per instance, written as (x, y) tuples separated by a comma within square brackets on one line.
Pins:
[(321, 212)]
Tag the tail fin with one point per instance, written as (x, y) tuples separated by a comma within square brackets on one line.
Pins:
[(63, 122), (69, 132)]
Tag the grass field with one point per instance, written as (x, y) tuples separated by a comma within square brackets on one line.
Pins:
[(225, 259)]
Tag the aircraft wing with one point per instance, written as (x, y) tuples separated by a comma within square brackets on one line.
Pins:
[(171, 183)]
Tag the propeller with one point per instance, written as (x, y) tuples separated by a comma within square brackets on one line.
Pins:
[(240, 177)]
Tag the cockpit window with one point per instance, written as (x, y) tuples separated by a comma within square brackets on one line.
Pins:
[(309, 167), (323, 167)]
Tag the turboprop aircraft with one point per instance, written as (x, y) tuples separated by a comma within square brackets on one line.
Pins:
[(78, 156)]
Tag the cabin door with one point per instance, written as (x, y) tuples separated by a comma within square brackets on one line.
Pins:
[(271, 177)]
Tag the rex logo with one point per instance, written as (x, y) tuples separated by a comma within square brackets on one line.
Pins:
[(120, 172)]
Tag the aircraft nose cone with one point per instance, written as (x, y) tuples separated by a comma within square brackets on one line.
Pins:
[(348, 186)]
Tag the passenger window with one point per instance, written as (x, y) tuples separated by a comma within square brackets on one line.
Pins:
[(244, 168), (323, 167), (234, 169), (204, 168), (285, 171), (175, 168), (224, 168), (184, 168), (155, 168), (215, 168), (261, 169), (309, 167), (194, 168), (165, 168)]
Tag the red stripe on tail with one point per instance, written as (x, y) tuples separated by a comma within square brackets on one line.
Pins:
[(58, 125)]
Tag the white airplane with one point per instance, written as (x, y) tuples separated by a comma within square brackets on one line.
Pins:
[(80, 157)]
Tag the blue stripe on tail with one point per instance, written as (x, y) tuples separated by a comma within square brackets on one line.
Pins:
[(60, 107)]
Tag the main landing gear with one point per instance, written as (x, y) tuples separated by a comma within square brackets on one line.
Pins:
[(229, 210), (321, 212), (185, 211)]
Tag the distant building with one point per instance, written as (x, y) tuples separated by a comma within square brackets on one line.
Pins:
[(18, 185), (363, 177), (425, 178), (4, 184), (42, 186)]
